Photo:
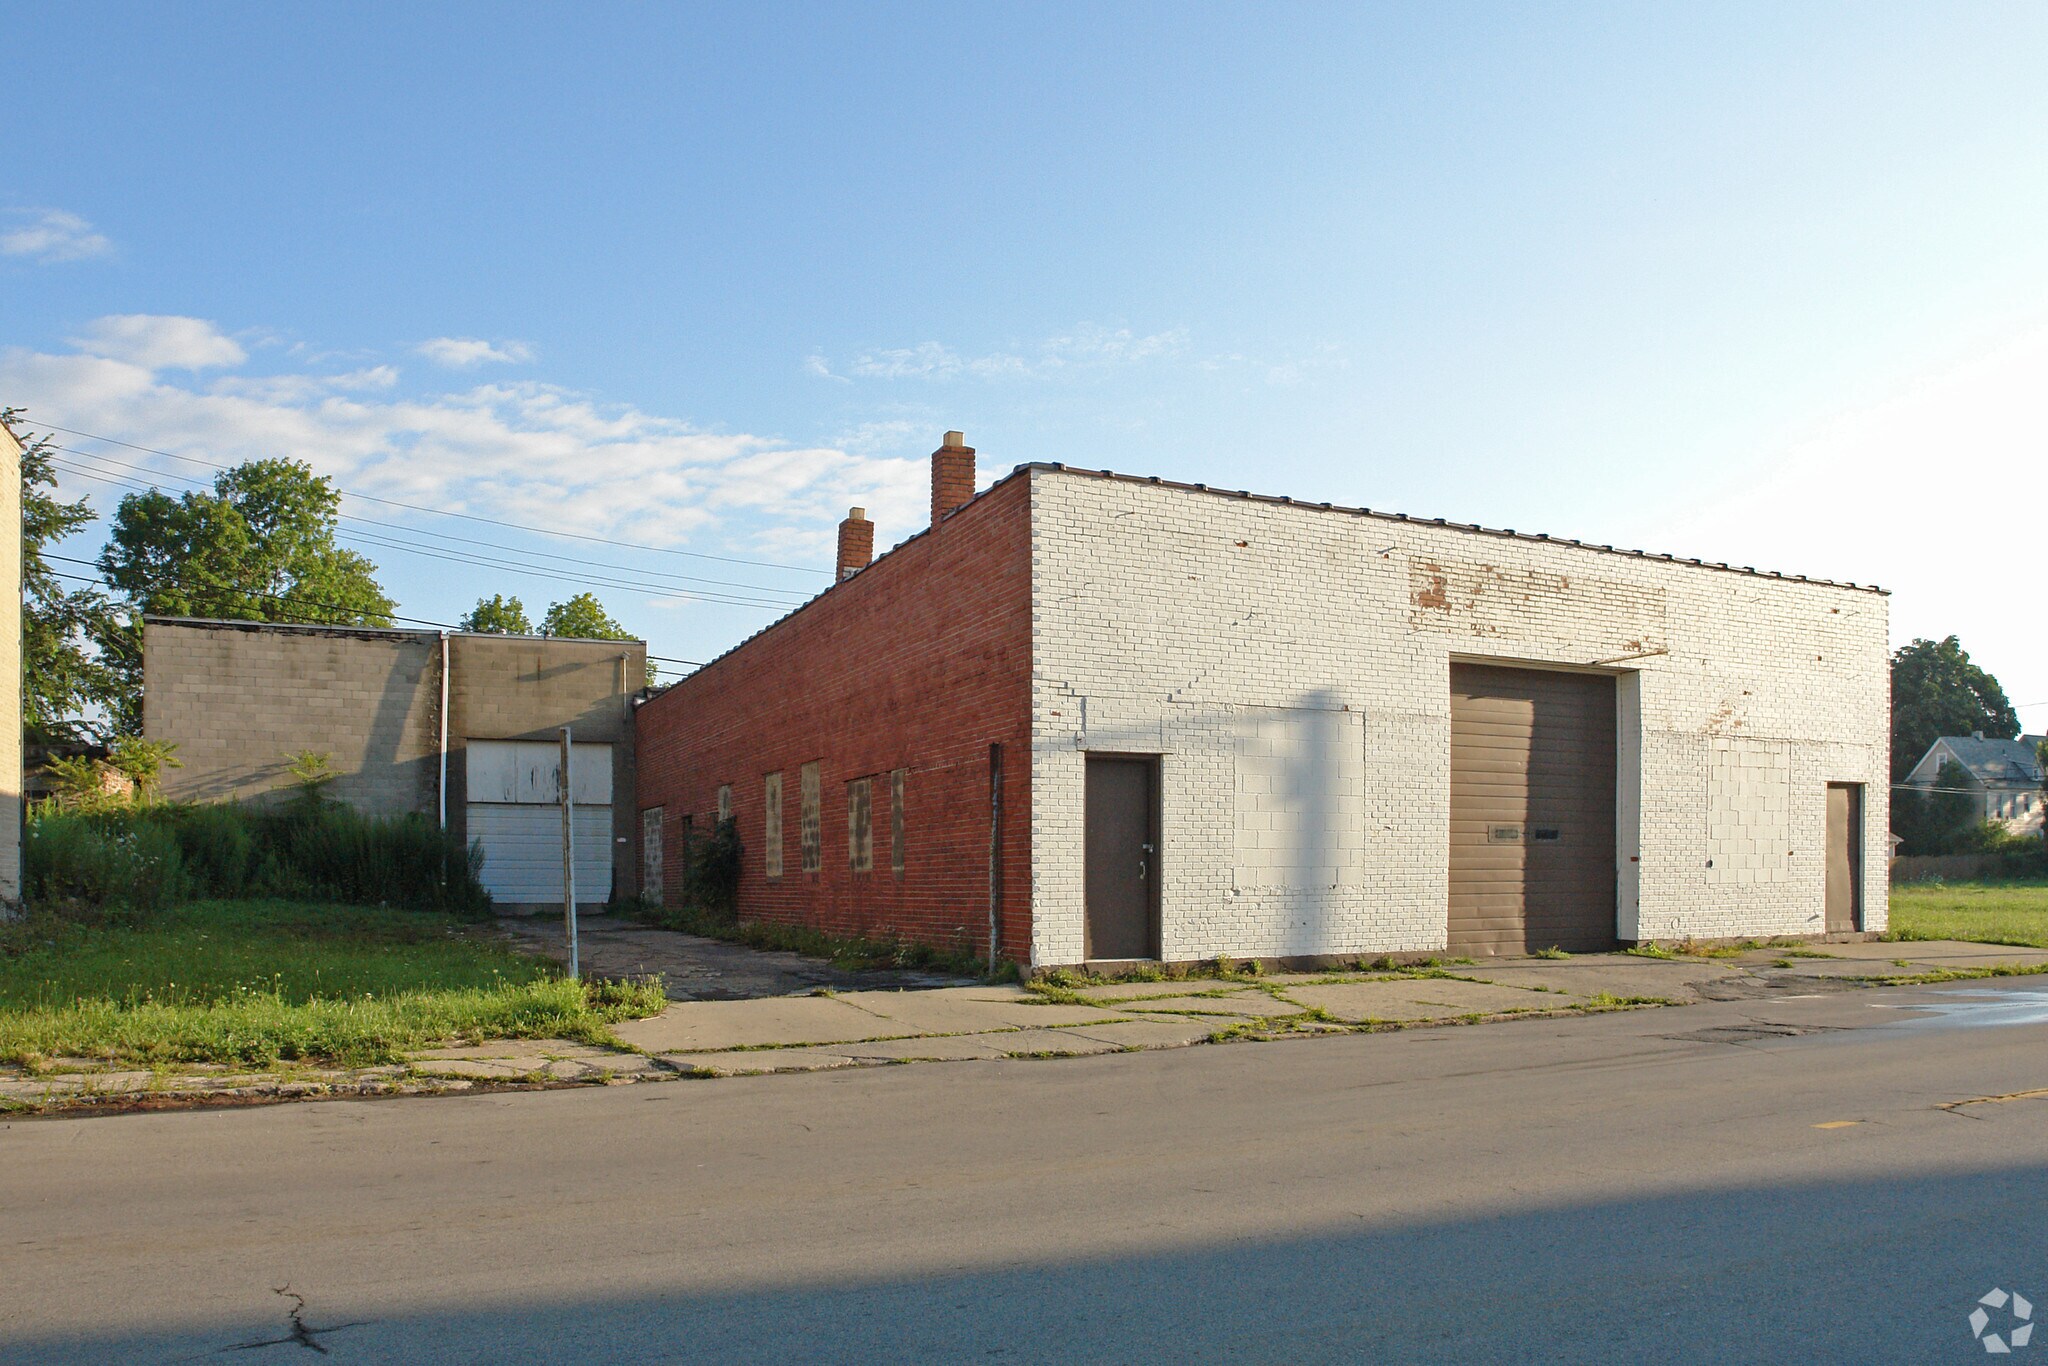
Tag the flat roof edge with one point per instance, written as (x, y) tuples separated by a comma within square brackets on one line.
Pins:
[(430, 632), (1472, 528)]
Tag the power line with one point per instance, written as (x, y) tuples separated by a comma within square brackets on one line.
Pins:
[(456, 557), (466, 516), (287, 599), (291, 601), (463, 557), (414, 531)]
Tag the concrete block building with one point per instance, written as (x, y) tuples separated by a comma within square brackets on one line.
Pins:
[(1090, 716), (462, 728)]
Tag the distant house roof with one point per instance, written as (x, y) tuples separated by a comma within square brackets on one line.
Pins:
[(1995, 763)]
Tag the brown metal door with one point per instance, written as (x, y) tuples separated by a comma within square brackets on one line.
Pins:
[(1845, 858), (1532, 810), (1122, 859)]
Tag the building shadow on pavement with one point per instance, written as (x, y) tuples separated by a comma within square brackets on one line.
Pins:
[(1860, 1270)]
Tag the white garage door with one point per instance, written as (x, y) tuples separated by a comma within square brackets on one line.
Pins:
[(514, 786), (523, 852)]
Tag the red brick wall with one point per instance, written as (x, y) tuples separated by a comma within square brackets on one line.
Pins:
[(921, 661)]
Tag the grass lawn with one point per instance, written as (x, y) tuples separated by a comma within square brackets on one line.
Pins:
[(1986, 912), (254, 982)]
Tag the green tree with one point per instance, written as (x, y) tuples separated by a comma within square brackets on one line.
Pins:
[(64, 675), (1937, 691), (498, 615), (583, 618), (259, 547)]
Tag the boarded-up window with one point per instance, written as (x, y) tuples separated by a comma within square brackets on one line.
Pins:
[(771, 825), (1749, 811), (725, 801), (896, 820), (650, 855), (860, 824), (808, 830)]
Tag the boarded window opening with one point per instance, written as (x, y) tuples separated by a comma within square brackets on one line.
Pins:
[(808, 828), (896, 820), (650, 855), (771, 825), (860, 824)]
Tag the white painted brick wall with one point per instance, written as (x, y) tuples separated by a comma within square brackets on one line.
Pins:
[(1201, 626)]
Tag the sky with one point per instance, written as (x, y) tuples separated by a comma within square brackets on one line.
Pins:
[(1765, 284)]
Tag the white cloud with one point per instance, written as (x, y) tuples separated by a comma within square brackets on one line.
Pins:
[(301, 388), (466, 353), (525, 452), (1931, 491), (160, 342), (49, 235), (1087, 348)]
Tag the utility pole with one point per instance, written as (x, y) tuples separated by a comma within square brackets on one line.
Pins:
[(10, 667), (569, 854)]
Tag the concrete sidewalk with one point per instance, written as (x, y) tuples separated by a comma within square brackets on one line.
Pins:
[(830, 1029)]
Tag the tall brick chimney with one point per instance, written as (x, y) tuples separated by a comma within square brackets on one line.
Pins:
[(952, 475), (856, 543)]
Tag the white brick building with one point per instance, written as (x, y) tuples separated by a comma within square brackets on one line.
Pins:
[(1089, 717), (1285, 673)]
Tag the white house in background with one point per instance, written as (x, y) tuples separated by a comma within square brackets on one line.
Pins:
[(2004, 776)]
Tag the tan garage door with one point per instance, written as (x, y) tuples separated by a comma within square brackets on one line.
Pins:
[(1532, 810)]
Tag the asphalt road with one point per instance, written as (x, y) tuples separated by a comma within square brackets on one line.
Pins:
[(1674, 1185)]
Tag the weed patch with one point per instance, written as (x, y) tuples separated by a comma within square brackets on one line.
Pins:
[(253, 983)]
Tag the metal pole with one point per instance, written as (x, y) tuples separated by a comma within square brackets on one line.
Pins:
[(995, 854), (444, 730), (569, 854)]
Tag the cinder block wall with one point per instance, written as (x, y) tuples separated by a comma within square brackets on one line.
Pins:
[(528, 688), (1234, 636), (237, 697), (920, 661)]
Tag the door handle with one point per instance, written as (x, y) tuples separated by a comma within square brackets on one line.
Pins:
[(1141, 870)]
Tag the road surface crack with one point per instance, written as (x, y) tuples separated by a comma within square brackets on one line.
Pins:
[(1956, 1106), (302, 1333)]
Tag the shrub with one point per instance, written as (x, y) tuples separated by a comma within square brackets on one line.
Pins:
[(75, 861), (138, 858), (711, 871)]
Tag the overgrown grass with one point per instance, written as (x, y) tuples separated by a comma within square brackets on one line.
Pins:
[(1983, 912), (251, 983), (844, 951), (141, 858)]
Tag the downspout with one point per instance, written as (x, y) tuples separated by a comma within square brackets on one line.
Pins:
[(995, 854), (444, 730)]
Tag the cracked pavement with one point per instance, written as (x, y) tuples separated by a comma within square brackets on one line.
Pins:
[(809, 1028), (1576, 1187)]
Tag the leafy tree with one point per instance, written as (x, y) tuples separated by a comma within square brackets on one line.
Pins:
[(63, 674), (498, 615), (583, 618), (1937, 691), (259, 547)]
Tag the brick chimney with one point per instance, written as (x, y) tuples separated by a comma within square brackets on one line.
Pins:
[(856, 543), (952, 475)]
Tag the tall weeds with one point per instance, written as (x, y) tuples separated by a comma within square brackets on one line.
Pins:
[(139, 858)]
